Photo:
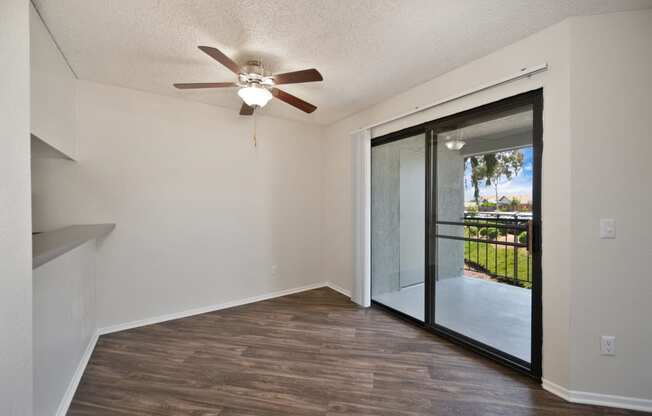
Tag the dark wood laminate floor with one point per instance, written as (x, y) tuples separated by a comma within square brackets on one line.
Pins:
[(312, 353)]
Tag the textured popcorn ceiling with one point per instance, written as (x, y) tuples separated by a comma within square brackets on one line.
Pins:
[(367, 50)]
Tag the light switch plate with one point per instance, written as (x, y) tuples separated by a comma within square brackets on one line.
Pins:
[(608, 345), (607, 228)]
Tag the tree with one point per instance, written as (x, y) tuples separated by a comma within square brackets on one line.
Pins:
[(492, 169), (515, 203)]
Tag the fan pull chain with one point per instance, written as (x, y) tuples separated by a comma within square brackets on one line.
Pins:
[(255, 129)]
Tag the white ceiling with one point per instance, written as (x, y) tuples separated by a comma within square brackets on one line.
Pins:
[(367, 50), (498, 127)]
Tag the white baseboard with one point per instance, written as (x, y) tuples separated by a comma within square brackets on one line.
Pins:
[(64, 404), (338, 288), (598, 399), (555, 389), (211, 308), (81, 367)]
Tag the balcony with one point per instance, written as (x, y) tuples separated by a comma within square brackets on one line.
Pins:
[(489, 297), (493, 313)]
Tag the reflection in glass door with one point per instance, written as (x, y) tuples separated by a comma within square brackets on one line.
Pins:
[(398, 225)]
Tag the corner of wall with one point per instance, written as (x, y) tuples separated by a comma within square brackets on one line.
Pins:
[(16, 360)]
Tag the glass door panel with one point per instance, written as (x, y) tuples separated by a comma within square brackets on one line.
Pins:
[(398, 191), (483, 212)]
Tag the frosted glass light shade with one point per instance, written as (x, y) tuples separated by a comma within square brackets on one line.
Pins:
[(255, 96), (455, 144)]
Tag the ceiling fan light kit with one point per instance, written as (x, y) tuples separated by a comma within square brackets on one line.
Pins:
[(257, 88), (255, 95)]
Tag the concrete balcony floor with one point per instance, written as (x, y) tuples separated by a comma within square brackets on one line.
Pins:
[(493, 313)]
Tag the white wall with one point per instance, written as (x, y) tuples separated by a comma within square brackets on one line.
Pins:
[(15, 239), (64, 323), (449, 202), (52, 90), (611, 122), (412, 164), (596, 146), (385, 221), (202, 216), (552, 46)]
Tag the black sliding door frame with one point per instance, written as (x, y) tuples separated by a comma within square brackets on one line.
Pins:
[(535, 100)]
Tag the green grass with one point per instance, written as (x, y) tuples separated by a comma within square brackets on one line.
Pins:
[(499, 260)]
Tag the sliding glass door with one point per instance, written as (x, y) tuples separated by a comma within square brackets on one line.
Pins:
[(455, 221)]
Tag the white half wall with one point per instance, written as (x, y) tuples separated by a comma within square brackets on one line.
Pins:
[(15, 225), (203, 217), (64, 324)]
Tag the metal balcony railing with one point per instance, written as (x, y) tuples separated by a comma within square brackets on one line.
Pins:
[(496, 246)]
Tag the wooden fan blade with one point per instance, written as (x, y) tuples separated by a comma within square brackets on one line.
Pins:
[(193, 85), (245, 110), (221, 58), (293, 101), (296, 77)]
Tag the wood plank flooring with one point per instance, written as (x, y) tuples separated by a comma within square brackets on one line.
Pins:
[(311, 353)]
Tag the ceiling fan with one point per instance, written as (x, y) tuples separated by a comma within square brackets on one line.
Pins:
[(256, 87)]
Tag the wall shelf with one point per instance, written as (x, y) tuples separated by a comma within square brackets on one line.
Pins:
[(52, 244), (42, 150)]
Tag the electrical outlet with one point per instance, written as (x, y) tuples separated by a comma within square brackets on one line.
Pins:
[(607, 228), (608, 345), (274, 271)]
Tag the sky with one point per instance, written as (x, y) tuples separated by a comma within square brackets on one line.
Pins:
[(520, 184)]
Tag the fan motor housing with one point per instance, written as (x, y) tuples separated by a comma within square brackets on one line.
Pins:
[(254, 68)]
